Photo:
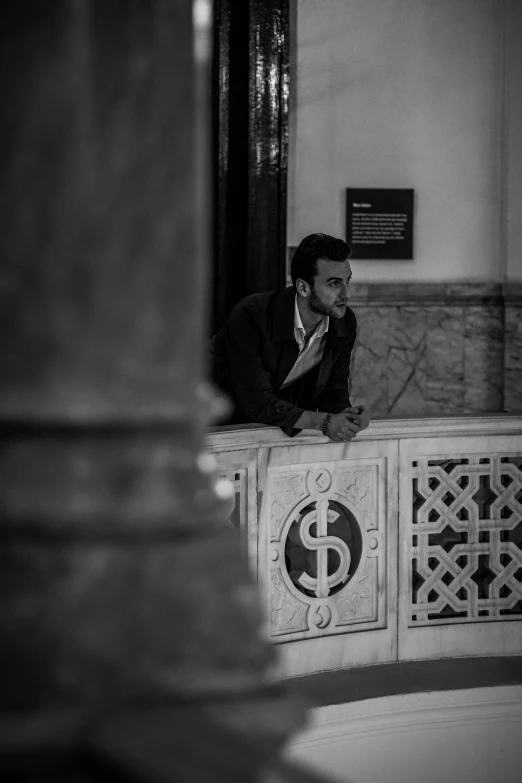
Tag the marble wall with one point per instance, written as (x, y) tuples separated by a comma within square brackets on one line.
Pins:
[(513, 349), (437, 349), (429, 348)]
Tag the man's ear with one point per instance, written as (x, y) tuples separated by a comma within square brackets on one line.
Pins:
[(302, 287)]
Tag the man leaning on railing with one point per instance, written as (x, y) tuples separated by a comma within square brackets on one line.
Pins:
[(283, 357)]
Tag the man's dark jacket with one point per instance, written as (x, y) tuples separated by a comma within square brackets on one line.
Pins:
[(255, 350)]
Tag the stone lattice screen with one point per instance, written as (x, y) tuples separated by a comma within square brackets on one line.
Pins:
[(466, 539)]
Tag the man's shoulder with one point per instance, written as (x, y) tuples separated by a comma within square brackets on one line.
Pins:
[(262, 297), (261, 302)]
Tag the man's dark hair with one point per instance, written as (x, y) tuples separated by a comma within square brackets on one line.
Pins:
[(310, 249)]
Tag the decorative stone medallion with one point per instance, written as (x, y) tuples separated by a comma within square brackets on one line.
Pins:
[(326, 549)]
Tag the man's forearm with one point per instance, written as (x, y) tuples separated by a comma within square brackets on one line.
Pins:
[(310, 420)]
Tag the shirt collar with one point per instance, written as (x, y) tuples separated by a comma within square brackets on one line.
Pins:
[(321, 328)]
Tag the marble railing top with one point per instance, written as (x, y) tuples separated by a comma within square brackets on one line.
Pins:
[(242, 436)]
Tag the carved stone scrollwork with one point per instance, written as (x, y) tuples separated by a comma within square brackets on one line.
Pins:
[(358, 487), (360, 603), (322, 481), (324, 563), (322, 616), (288, 489), (287, 613)]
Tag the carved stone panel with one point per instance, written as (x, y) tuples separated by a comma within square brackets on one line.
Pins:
[(238, 479), (326, 548), (288, 489), (239, 468), (466, 539)]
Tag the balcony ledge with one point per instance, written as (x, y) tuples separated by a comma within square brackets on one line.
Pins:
[(244, 435)]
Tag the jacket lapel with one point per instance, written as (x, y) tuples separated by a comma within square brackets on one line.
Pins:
[(337, 332), (282, 333), (326, 363)]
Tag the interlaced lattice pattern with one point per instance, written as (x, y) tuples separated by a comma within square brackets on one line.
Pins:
[(466, 539)]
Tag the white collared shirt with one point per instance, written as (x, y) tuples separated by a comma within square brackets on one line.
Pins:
[(311, 352)]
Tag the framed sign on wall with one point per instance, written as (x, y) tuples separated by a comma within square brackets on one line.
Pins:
[(379, 222)]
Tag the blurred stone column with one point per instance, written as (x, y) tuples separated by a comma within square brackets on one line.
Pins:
[(120, 581)]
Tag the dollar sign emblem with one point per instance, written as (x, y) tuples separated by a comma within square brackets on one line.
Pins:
[(321, 543)]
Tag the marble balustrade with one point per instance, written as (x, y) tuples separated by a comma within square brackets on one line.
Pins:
[(403, 544)]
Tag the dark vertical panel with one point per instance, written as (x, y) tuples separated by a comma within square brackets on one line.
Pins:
[(268, 143), (250, 103), (230, 155)]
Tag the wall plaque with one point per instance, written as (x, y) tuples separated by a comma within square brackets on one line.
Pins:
[(379, 222)]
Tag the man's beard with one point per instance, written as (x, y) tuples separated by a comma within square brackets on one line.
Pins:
[(318, 306)]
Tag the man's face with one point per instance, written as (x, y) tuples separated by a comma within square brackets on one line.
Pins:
[(329, 293)]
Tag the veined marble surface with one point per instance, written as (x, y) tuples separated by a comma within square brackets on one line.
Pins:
[(432, 349), (513, 349)]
